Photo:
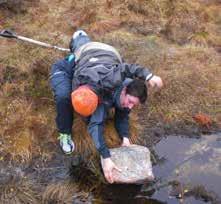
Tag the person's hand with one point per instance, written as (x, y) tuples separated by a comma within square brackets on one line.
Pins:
[(108, 167), (126, 142), (155, 81)]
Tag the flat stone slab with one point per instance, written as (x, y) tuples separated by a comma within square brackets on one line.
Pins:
[(134, 161)]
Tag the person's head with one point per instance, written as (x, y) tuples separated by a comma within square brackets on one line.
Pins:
[(78, 39), (133, 94), (84, 100)]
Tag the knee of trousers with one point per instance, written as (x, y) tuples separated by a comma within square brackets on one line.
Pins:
[(63, 96)]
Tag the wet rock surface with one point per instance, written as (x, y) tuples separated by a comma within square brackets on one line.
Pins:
[(134, 161)]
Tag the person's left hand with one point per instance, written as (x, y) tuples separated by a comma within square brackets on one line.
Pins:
[(126, 142), (155, 81)]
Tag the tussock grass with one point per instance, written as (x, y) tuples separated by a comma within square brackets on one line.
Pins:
[(18, 146), (18, 191), (84, 142), (64, 193), (102, 27), (23, 130)]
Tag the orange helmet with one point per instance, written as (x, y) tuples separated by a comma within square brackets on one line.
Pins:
[(84, 100)]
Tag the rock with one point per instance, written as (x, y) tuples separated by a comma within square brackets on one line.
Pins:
[(134, 161)]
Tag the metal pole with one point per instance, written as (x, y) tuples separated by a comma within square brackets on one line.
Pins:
[(10, 34)]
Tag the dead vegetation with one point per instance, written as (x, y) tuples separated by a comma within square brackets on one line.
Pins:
[(16, 7), (85, 145), (178, 40), (60, 193), (18, 191)]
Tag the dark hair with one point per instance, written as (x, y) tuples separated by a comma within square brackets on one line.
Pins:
[(138, 89)]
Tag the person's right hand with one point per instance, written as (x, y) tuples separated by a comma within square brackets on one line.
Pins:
[(108, 167)]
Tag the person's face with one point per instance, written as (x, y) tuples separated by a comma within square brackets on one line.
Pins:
[(128, 101)]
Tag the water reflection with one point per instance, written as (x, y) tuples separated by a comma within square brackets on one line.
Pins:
[(125, 194)]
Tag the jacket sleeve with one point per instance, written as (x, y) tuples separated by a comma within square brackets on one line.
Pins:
[(121, 120), (96, 129), (135, 70)]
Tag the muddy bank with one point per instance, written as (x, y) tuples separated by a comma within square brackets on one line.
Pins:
[(154, 127), (57, 180)]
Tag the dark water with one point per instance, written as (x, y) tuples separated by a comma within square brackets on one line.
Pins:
[(187, 170)]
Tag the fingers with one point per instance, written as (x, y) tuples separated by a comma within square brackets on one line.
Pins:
[(118, 169), (109, 174), (151, 83), (155, 81), (109, 177), (160, 83), (108, 169), (124, 145), (126, 142)]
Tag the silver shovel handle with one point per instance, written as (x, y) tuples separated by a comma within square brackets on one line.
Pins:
[(10, 34)]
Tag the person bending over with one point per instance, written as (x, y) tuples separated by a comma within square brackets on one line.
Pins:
[(91, 80)]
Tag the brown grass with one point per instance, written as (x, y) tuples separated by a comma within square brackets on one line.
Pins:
[(18, 191), (84, 142), (178, 40), (18, 146), (60, 193), (102, 27)]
